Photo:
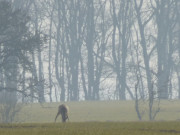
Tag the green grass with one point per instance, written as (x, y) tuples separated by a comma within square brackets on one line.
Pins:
[(102, 111), (93, 128)]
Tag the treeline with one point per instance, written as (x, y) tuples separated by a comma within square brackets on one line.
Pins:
[(71, 50)]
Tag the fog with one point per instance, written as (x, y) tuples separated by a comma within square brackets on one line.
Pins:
[(89, 50)]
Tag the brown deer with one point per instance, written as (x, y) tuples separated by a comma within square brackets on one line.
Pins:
[(63, 111)]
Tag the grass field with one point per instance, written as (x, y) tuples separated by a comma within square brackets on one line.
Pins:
[(102, 111), (93, 128), (95, 118)]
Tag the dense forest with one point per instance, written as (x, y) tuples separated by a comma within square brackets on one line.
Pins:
[(72, 50)]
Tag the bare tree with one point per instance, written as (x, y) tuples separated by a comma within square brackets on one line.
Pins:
[(122, 23)]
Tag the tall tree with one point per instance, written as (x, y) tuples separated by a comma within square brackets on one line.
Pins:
[(122, 23), (90, 46), (15, 39), (40, 74), (142, 25), (164, 45)]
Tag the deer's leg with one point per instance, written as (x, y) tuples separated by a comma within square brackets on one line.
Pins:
[(63, 117), (57, 115), (67, 117)]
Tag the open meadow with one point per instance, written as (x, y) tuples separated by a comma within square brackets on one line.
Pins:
[(100, 111), (94, 118)]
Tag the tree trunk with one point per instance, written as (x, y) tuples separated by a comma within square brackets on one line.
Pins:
[(146, 59), (40, 86), (90, 47), (50, 56)]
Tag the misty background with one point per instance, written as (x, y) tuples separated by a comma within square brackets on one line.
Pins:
[(85, 50)]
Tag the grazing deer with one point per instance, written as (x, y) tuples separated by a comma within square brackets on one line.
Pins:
[(63, 111)]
